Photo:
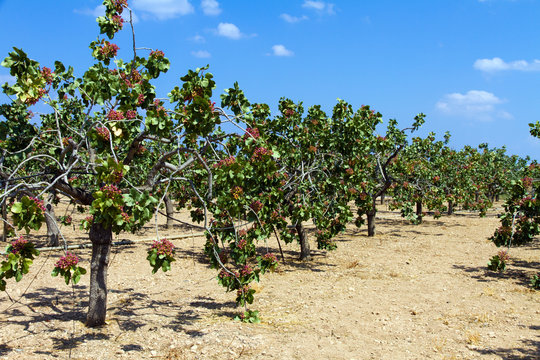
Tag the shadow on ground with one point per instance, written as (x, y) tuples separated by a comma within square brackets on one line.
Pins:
[(529, 350)]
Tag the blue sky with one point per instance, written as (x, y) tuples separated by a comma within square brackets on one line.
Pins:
[(470, 65)]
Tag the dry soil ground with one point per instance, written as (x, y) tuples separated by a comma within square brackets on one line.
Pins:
[(412, 292)]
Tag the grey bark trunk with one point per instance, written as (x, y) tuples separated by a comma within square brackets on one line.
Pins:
[(4, 216), (169, 209), (53, 233), (371, 223), (101, 239), (382, 199), (450, 207), (305, 252), (419, 211)]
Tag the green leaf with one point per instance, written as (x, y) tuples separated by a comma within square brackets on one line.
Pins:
[(76, 278), (16, 208), (152, 258), (67, 277), (26, 265)]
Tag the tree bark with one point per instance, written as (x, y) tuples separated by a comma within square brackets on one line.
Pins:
[(382, 199), (169, 209), (101, 238), (53, 233), (4, 216), (450, 207), (305, 252), (371, 222), (419, 211), (497, 197)]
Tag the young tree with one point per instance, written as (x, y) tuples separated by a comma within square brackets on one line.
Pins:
[(91, 146)]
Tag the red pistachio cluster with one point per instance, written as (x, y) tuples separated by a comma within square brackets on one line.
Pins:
[(103, 133), (289, 112), (259, 154), (38, 202), (246, 270), (67, 220), (252, 132), (159, 105), (117, 176), (118, 21), (269, 257), (256, 206), (223, 257), (225, 162), (157, 54), (503, 255), (32, 100), (237, 192), (125, 216), (115, 115), (68, 261), (120, 5), (131, 79), (131, 114), (241, 243), (163, 247), (18, 245), (47, 74), (108, 49), (111, 191), (223, 274), (527, 181), (243, 290)]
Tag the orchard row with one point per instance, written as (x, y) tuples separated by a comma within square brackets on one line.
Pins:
[(120, 154)]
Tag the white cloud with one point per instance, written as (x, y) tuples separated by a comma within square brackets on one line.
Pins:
[(202, 54), (95, 12), (197, 38), (7, 78), (280, 50), (163, 9), (229, 30), (210, 7), (498, 64), (319, 6), (475, 104), (293, 19)]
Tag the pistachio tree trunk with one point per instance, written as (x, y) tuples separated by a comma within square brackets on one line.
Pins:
[(6, 226), (169, 209), (53, 232), (419, 211), (305, 252), (101, 238), (450, 207), (371, 222)]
